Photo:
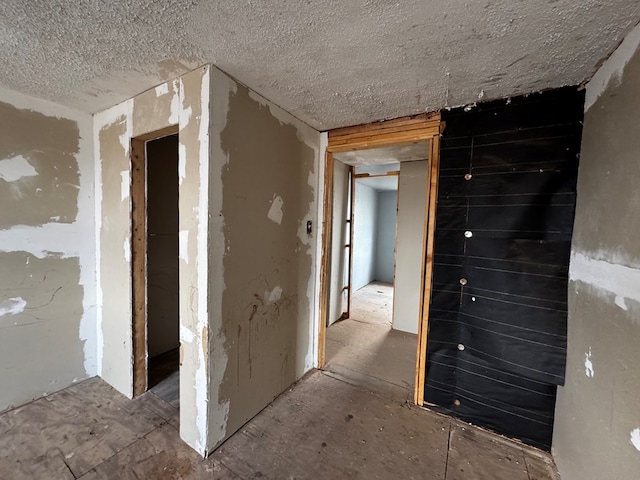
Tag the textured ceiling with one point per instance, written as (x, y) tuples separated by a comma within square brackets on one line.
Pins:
[(329, 62)]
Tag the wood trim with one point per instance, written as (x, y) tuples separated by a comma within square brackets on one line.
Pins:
[(396, 122), (325, 266), (390, 132), (393, 173), (427, 279), (138, 264)]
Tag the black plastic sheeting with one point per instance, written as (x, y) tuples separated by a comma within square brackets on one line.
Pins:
[(498, 317)]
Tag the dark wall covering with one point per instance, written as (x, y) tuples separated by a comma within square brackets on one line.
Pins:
[(498, 317)]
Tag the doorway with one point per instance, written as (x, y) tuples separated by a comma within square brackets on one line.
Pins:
[(155, 253), (386, 360)]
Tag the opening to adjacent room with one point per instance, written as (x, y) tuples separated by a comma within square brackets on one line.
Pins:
[(155, 250), (375, 276)]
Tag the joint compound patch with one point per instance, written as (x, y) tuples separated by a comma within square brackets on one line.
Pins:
[(12, 306), (621, 303), (588, 364), (274, 295), (635, 438), (13, 169), (125, 185), (183, 245), (275, 211), (127, 250), (162, 89)]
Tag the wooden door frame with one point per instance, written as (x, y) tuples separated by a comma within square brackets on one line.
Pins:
[(426, 126), (139, 255)]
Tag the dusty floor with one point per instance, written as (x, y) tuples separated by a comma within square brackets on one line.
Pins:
[(345, 422), (365, 350)]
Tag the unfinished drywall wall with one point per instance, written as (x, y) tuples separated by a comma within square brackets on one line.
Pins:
[(364, 235), (412, 195), (163, 305), (386, 235), (183, 102), (261, 262), (597, 427), (339, 239), (47, 281)]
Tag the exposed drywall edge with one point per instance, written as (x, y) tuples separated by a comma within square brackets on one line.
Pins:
[(612, 68), (65, 240), (202, 373), (221, 88), (97, 206), (606, 277), (102, 120), (311, 138)]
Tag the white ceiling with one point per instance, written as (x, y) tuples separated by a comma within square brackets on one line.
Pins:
[(380, 184), (331, 63)]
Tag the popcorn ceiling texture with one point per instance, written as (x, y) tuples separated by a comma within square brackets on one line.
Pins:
[(330, 63)]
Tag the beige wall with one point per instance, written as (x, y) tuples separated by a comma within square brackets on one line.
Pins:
[(597, 423), (47, 248), (185, 102), (263, 181)]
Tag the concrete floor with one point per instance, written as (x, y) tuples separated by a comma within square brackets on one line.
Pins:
[(328, 426)]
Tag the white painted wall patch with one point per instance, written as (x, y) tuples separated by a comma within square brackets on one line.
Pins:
[(125, 185), (183, 245), (12, 306), (12, 169), (162, 89), (274, 295), (127, 250), (621, 303), (635, 438), (275, 211), (588, 364)]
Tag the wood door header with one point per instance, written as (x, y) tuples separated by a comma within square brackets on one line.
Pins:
[(400, 130)]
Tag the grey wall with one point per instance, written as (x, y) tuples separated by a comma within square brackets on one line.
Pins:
[(597, 427), (163, 312), (47, 249), (340, 238), (386, 236), (364, 236), (412, 191)]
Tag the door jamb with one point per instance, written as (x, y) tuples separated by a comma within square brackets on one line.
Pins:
[(427, 126), (139, 255)]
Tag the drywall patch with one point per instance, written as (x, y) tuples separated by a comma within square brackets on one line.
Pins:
[(162, 89), (275, 211), (125, 185), (613, 68), (13, 169), (635, 438), (606, 277), (127, 250), (183, 245), (588, 364), (12, 306), (621, 303), (274, 295)]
